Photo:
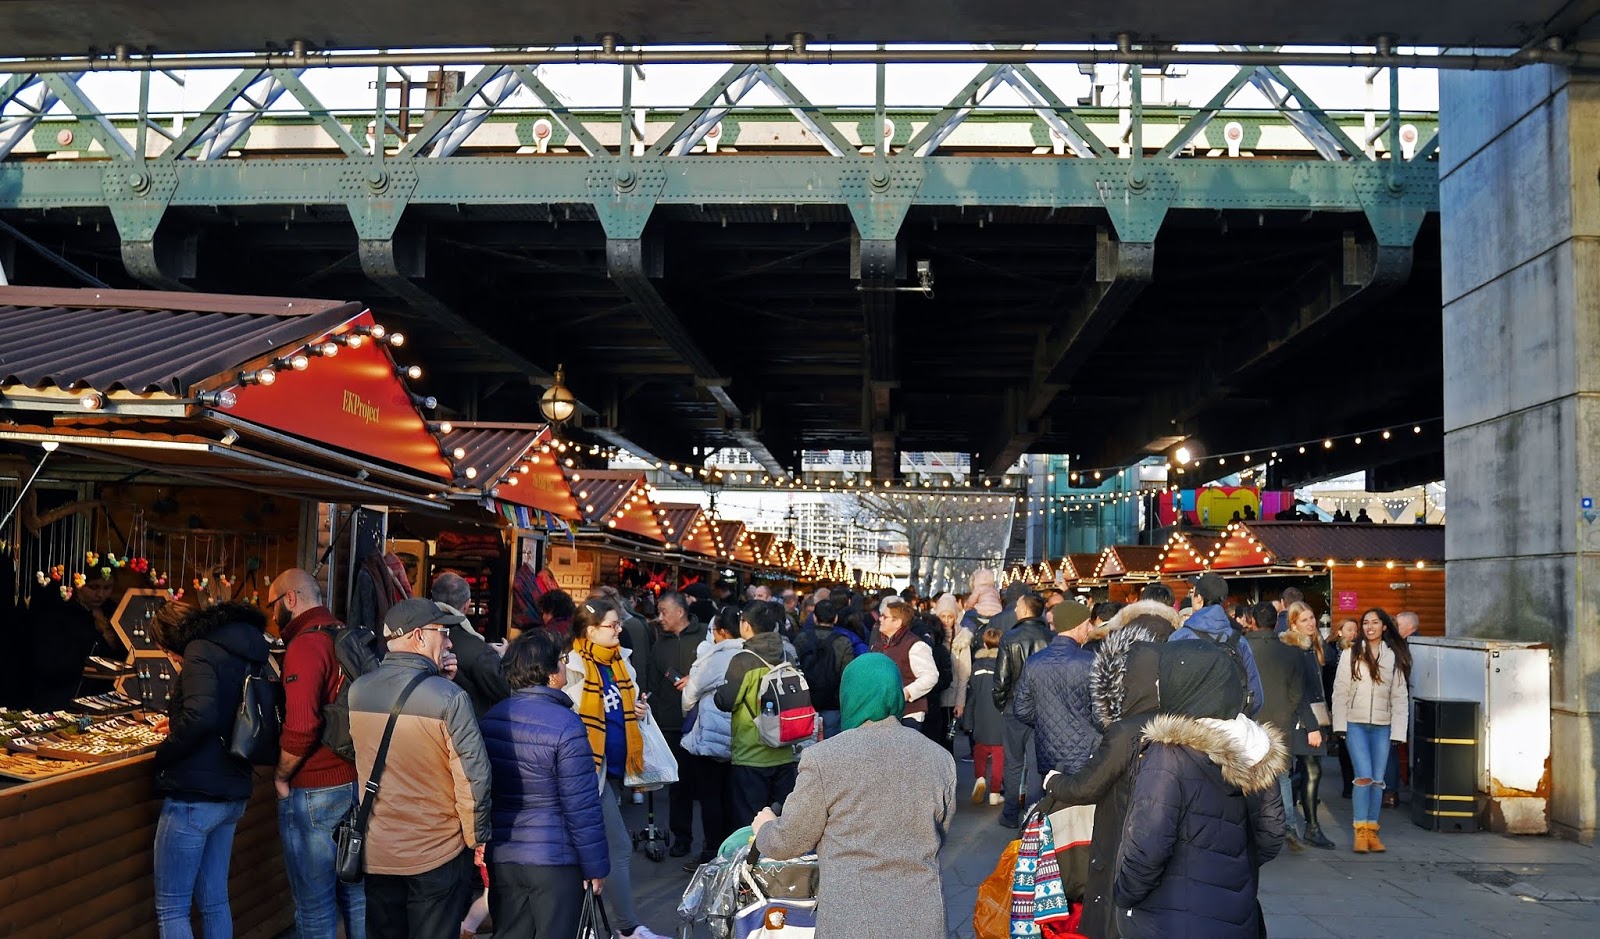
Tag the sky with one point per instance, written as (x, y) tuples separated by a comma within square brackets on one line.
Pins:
[(677, 86)]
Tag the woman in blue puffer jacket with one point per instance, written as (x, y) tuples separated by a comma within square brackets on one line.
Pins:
[(549, 838)]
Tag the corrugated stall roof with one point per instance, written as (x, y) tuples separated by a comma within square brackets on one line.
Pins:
[(146, 341), (1284, 543), (490, 449), (1118, 560), (617, 499)]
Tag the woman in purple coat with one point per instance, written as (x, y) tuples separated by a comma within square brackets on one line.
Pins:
[(549, 838)]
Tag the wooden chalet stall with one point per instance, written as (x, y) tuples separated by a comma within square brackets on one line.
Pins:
[(211, 441), (620, 539), (690, 546), (511, 493), (1126, 569), (1342, 569)]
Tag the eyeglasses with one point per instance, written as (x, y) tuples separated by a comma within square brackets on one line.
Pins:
[(442, 630)]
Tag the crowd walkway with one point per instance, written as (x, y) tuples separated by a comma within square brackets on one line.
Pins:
[(1428, 885)]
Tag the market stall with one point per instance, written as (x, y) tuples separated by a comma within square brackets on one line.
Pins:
[(690, 547), (511, 493), (170, 445), (1342, 569), (619, 539), (1126, 569)]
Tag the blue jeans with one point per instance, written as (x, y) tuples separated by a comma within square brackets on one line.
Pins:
[(305, 822), (194, 841), (1291, 809), (1369, 754), (832, 724)]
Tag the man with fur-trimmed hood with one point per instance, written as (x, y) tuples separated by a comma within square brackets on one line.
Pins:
[(1205, 813)]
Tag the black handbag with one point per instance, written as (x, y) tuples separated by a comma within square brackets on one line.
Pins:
[(593, 923), (350, 836), (258, 720)]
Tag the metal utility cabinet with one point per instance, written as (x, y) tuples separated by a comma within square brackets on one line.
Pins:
[(1511, 683)]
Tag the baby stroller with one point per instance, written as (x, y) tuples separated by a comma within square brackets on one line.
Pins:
[(749, 897)]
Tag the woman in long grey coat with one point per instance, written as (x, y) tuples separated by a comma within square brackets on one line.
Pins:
[(875, 803)]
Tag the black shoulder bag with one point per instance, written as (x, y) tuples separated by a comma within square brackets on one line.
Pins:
[(351, 834)]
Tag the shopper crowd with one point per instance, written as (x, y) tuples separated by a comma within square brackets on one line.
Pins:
[(494, 773)]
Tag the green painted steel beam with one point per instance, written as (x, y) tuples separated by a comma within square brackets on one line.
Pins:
[(749, 180)]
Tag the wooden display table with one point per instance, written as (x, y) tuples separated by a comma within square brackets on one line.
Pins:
[(78, 858)]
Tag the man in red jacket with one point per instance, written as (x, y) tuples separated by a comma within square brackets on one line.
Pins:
[(315, 785)]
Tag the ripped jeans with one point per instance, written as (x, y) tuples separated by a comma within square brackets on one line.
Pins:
[(1368, 745)]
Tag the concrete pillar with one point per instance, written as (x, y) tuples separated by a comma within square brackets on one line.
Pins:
[(1520, 221)]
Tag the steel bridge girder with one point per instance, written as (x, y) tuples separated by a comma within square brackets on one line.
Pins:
[(1406, 191)]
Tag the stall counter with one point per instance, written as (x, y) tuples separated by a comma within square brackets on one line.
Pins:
[(78, 857)]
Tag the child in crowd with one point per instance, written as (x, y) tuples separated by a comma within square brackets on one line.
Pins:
[(982, 720)]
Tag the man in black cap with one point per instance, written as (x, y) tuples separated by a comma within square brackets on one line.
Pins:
[(1210, 622), (433, 810)]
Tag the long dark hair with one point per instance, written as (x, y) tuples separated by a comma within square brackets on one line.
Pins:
[(1401, 649), (1362, 649)]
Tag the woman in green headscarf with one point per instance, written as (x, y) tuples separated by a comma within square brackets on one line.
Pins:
[(875, 804)]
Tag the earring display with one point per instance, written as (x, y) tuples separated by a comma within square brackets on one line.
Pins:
[(134, 619), (151, 683)]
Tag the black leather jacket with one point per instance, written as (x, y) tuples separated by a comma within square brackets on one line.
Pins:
[(1021, 641)]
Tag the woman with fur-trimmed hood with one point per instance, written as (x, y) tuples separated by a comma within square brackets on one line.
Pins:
[(1122, 687), (1205, 813)]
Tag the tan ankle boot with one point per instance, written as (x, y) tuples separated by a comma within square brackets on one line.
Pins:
[(1359, 843), (1373, 844)]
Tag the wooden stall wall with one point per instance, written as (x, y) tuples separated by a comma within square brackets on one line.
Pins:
[(78, 859), (193, 532), (1127, 591), (1365, 587)]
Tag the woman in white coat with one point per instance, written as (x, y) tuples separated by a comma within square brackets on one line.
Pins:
[(602, 685), (1371, 707)]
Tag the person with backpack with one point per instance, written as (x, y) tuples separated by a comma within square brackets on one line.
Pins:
[(824, 651), (919, 673), (316, 785), (1210, 622), (205, 787), (762, 774)]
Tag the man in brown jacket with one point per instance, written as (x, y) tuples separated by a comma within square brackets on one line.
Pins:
[(432, 805)]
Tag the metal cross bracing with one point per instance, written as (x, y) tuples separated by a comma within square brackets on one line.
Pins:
[(495, 186)]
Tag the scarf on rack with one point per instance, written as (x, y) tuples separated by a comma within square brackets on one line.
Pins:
[(592, 707)]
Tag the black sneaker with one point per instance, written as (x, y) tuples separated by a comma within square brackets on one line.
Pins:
[(1010, 817), (680, 847), (693, 864)]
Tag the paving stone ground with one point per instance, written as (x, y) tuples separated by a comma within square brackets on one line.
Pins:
[(1428, 886)]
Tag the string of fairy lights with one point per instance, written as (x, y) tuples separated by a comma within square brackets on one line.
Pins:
[(970, 503), (1236, 548)]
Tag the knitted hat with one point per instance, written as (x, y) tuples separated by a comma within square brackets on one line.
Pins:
[(947, 603)]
